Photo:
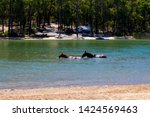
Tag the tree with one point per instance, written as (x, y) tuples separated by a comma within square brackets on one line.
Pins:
[(77, 17), (120, 17), (3, 12), (10, 21)]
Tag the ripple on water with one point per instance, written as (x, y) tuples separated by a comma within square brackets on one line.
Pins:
[(31, 64)]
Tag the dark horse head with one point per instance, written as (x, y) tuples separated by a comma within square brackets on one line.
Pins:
[(62, 55), (88, 55)]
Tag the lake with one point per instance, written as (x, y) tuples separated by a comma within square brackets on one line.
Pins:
[(35, 64)]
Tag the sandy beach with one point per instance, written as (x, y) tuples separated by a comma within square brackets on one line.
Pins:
[(123, 92)]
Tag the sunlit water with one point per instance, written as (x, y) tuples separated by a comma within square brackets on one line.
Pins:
[(35, 64)]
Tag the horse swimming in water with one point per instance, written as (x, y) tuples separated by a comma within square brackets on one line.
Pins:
[(62, 55), (86, 54), (89, 55)]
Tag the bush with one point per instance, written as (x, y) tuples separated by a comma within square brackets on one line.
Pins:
[(2, 34), (13, 33), (142, 35)]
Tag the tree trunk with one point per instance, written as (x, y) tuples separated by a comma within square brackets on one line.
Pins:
[(30, 20), (59, 17), (10, 18), (77, 18), (3, 24), (49, 19), (91, 17), (24, 25), (96, 17)]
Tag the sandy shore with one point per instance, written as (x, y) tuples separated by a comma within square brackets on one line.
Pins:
[(126, 92)]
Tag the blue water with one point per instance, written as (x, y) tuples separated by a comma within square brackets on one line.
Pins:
[(35, 64)]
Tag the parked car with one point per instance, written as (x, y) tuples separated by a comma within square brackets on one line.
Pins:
[(82, 29)]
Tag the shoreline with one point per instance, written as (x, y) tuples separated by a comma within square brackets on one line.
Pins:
[(115, 92), (69, 37)]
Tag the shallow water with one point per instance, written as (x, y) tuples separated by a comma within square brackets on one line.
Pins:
[(35, 64)]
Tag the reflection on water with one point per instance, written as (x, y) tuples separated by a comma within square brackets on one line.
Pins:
[(33, 64)]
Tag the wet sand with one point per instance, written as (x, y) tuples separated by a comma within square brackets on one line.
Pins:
[(124, 92)]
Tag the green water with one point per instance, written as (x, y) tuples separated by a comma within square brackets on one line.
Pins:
[(34, 64)]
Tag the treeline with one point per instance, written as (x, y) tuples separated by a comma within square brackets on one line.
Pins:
[(119, 17)]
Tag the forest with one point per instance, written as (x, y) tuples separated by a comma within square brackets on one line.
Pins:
[(118, 17)]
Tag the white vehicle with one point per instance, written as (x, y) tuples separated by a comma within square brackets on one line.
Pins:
[(84, 29)]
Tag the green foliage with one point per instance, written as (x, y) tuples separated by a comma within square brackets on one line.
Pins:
[(121, 17), (2, 34)]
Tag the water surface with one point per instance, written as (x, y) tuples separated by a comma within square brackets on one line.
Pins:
[(35, 64)]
